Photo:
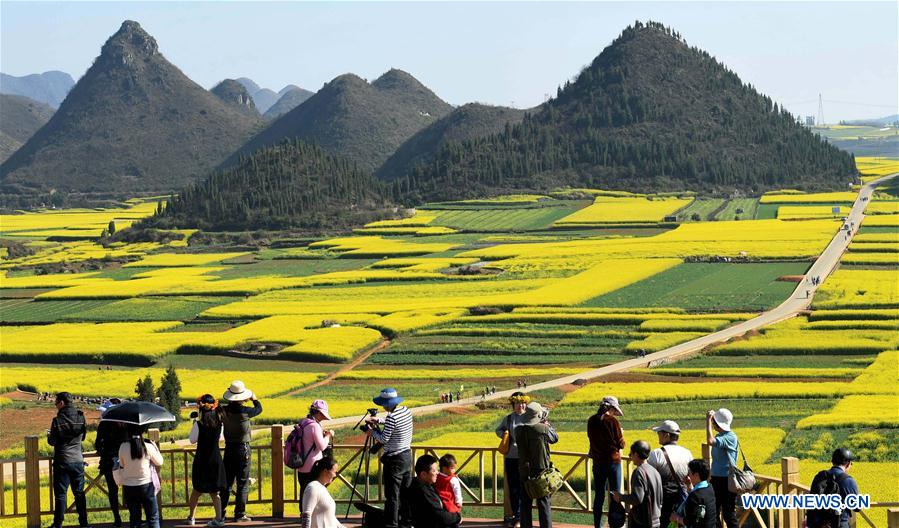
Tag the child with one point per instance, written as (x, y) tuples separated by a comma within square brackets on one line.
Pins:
[(448, 487)]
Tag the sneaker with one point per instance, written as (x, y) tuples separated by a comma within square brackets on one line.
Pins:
[(243, 518), (190, 521), (216, 523)]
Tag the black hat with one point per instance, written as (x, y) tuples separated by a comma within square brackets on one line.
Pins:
[(841, 456)]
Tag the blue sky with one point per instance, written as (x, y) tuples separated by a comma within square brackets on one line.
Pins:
[(500, 53)]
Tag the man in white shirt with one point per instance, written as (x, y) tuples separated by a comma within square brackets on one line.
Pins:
[(667, 458)]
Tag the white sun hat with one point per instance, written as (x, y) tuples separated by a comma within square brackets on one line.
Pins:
[(723, 418), (237, 392)]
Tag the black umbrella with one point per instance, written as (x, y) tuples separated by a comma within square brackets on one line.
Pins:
[(137, 413)]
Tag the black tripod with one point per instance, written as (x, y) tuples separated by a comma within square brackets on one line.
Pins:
[(365, 457)]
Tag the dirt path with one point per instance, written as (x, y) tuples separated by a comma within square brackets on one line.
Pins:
[(349, 366)]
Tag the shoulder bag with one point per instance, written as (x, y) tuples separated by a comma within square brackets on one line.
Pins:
[(740, 481), (680, 485)]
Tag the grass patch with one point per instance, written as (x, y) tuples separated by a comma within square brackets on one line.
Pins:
[(486, 220), (30, 311), (708, 287), (738, 209), (147, 309)]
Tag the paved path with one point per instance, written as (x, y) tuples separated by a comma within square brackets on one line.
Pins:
[(353, 522), (798, 301)]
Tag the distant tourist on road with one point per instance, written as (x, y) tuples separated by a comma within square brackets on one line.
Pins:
[(111, 435), (606, 443), (236, 424), (448, 486), (318, 508), (645, 498), (310, 440), (833, 481), (139, 459), (396, 456), (533, 437), (671, 461), (698, 511), (424, 501), (208, 470), (724, 444), (507, 426), (66, 433)]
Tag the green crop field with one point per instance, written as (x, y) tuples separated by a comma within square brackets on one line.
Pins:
[(704, 207), (30, 311), (738, 209), (708, 287), (496, 219)]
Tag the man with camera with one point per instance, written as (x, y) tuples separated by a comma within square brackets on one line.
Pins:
[(396, 458)]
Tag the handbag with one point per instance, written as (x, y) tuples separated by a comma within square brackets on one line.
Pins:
[(505, 444), (740, 481), (545, 484), (682, 496), (154, 477), (118, 472)]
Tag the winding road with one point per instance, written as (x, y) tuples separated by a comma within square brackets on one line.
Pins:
[(798, 301)]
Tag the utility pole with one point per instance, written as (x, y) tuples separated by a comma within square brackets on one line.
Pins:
[(820, 118)]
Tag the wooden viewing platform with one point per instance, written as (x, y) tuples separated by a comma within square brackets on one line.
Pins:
[(26, 494), (352, 522)]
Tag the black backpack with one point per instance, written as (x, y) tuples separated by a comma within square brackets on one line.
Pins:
[(825, 483)]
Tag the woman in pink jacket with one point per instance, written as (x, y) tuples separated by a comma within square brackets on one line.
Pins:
[(315, 441)]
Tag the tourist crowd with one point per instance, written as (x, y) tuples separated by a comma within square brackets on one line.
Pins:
[(668, 486)]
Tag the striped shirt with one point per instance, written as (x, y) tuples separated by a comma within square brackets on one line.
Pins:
[(397, 433)]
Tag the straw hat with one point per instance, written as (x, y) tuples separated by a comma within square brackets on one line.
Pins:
[(723, 418)]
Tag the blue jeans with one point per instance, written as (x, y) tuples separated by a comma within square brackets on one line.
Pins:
[(67, 474), (604, 475), (513, 479), (141, 498)]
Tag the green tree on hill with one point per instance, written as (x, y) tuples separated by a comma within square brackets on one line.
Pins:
[(144, 389), (169, 394)]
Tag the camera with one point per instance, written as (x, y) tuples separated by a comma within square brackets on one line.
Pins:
[(373, 412)]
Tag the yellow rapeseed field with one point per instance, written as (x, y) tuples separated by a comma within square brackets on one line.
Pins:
[(881, 220), (775, 239), (174, 260), (827, 197), (72, 221), (800, 212), (95, 381), (669, 391), (859, 289), (753, 372), (375, 246), (615, 210), (450, 373)]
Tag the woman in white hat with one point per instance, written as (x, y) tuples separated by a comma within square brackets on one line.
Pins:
[(724, 445), (236, 424)]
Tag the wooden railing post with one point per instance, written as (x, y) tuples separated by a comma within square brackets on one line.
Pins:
[(789, 469), (893, 518), (32, 482), (707, 453), (277, 472)]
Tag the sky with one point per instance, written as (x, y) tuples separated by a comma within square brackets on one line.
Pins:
[(504, 53)]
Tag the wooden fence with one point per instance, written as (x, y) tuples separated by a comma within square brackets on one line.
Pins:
[(26, 492)]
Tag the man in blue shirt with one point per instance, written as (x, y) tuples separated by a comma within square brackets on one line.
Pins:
[(842, 461), (724, 454)]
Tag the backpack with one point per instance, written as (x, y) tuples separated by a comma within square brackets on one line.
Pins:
[(294, 456), (825, 483)]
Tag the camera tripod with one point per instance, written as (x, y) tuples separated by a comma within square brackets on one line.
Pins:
[(370, 446)]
